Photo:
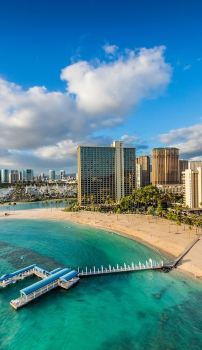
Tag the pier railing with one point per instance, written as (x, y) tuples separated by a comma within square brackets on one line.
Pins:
[(26, 299), (68, 277), (149, 265), (18, 277)]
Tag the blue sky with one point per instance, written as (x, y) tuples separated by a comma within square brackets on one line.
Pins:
[(40, 38)]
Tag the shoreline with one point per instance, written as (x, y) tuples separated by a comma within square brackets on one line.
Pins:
[(4, 204), (160, 251), (159, 234)]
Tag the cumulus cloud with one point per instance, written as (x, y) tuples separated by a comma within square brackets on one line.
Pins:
[(62, 150), (35, 117), (113, 88), (38, 126), (188, 140)]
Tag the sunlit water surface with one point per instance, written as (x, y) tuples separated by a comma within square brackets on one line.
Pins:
[(142, 310), (49, 204)]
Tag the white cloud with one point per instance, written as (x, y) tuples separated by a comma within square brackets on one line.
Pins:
[(62, 150), (34, 117), (113, 88), (110, 49), (134, 141), (39, 127), (188, 140), (129, 139)]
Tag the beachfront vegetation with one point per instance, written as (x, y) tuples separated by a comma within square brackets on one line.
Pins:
[(148, 200)]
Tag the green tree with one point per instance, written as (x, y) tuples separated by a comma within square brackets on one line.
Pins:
[(151, 210), (159, 209)]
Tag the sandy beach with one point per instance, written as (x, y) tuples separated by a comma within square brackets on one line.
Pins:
[(161, 234)]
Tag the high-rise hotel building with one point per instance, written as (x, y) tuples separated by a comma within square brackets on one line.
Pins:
[(165, 166), (51, 175), (105, 173), (4, 175), (13, 176), (143, 171), (183, 165)]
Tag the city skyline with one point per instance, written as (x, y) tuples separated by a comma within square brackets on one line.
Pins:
[(133, 75)]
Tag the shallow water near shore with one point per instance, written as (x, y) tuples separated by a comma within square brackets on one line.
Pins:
[(142, 310), (49, 204)]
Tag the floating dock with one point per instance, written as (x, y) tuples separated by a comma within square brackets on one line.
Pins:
[(19, 275), (64, 278), (60, 277)]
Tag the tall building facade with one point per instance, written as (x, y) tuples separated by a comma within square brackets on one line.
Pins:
[(105, 173), (51, 174), (13, 176), (199, 187), (129, 155), (26, 175), (143, 168), (193, 187), (4, 175), (183, 165), (119, 169), (29, 173), (62, 174), (165, 166), (138, 175)]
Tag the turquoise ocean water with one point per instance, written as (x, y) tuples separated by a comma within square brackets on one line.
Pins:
[(143, 310), (35, 205)]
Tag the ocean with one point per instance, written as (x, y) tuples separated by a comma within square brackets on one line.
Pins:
[(135, 311)]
